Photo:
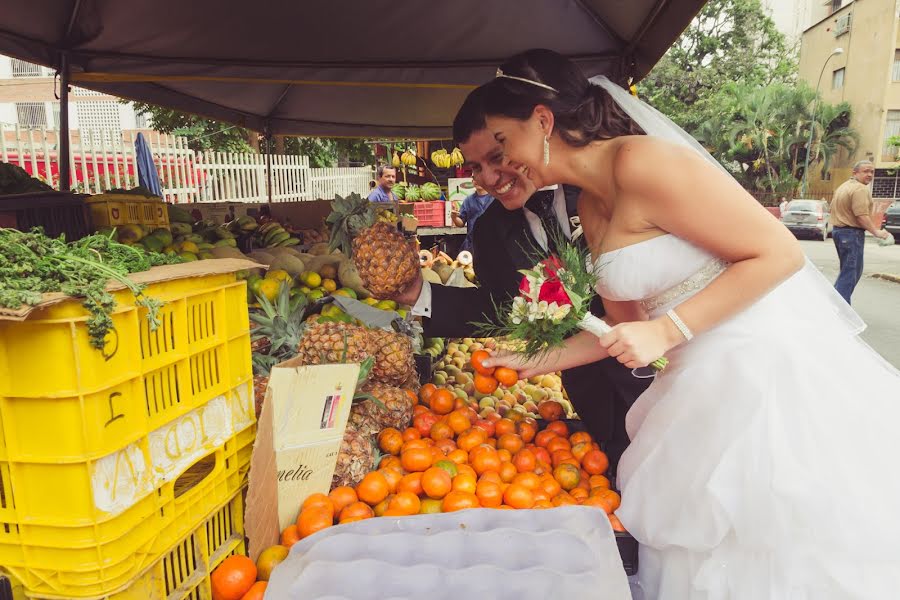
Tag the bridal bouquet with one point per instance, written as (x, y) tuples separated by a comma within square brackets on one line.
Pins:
[(553, 303)]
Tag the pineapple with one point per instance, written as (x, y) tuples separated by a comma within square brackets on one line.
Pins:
[(394, 361), (387, 262), (395, 409), (356, 457), (325, 343)]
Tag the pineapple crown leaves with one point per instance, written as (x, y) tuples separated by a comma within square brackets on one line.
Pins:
[(281, 322), (349, 216), (362, 396)]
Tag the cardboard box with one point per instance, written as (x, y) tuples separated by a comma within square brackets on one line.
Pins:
[(299, 434)]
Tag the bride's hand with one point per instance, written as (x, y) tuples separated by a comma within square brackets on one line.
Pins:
[(639, 343), (525, 367)]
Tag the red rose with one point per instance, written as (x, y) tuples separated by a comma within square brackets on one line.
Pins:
[(552, 291), (524, 286), (552, 265)]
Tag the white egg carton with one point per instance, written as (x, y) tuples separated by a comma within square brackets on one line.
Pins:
[(478, 553)]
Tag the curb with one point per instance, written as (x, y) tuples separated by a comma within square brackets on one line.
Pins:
[(887, 277)]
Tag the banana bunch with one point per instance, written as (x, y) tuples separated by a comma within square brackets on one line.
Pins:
[(408, 158), (444, 160), (395, 162), (242, 225), (272, 234)]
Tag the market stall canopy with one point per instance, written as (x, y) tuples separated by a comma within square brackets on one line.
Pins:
[(359, 68)]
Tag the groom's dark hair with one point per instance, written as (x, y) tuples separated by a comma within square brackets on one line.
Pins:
[(583, 112)]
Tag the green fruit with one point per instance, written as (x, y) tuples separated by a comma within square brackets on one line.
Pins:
[(226, 243), (206, 256), (188, 256), (447, 465), (163, 235), (153, 244), (305, 289), (386, 305), (315, 295)]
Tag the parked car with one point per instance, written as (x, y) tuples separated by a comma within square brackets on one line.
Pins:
[(806, 217), (892, 220)]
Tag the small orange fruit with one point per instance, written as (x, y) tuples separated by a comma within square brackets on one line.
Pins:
[(442, 401), (507, 377), (558, 443), (436, 483), (527, 431), (599, 481), (543, 438), (390, 440), (471, 438), (551, 486), (405, 502), (511, 442), (341, 497), (508, 472), (579, 494), (423, 422), (373, 488), (416, 459), (459, 501), (458, 420), (490, 476), (524, 460), (530, 480), (429, 506), (489, 493), (518, 496), (380, 508), (233, 578), (559, 428), (411, 482), (595, 462), (458, 456), (485, 459), (465, 482), (580, 437), (358, 511), (411, 433), (616, 523), (441, 431), (318, 500), (504, 425), (314, 519), (257, 591), (478, 358), (485, 384), (551, 410), (290, 536), (568, 476), (268, 559), (610, 500), (393, 477), (426, 391)]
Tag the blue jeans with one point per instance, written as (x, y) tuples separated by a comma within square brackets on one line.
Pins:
[(850, 243)]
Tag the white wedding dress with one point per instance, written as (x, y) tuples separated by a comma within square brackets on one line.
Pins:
[(765, 460)]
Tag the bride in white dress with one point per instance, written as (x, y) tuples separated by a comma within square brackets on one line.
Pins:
[(763, 460)]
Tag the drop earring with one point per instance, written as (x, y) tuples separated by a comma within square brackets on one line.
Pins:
[(546, 150)]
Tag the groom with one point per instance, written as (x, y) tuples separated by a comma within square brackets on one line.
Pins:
[(504, 239)]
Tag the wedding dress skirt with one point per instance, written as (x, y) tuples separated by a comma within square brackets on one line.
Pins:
[(764, 460)]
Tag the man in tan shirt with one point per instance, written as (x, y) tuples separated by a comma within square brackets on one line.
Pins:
[(851, 217)]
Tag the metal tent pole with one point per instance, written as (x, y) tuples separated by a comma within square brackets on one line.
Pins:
[(268, 134), (65, 183)]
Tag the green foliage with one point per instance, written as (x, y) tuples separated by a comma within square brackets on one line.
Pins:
[(349, 216), (202, 134), (32, 264)]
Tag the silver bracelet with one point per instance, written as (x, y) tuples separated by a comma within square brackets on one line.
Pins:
[(684, 329)]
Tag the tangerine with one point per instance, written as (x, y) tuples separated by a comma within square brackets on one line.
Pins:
[(458, 421), (485, 424), (518, 496), (471, 438), (485, 383), (442, 401), (458, 456), (524, 460), (599, 481), (233, 578), (380, 508), (559, 427), (393, 477), (257, 591), (568, 476), (268, 559), (558, 443), (615, 522), (551, 486), (489, 493), (426, 391), (411, 433), (508, 472), (373, 488), (564, 500), (543, 438), (559, 456), (504, 425), (405, 502), (609, 499), (429, 506), (595, 462), (411, 482), (459, 501), (484, 460), (580, 449), (290, 535), (416, 459), (465, 482), (318, 500), (440, 431), (478, 358), (541, 455), (529, 480), (527, 431), (506, 376), (466, 468), (390, 440), (424, 421), (436, 482), (551, 410), (341, 497), (490, 476), (580, 437), (357, 511), (579, 494), (511, 442), (314, 519)]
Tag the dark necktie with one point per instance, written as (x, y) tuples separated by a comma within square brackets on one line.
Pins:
[(541, 204)]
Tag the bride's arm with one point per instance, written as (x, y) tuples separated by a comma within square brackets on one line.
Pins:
[(580, 349), (682, 193)]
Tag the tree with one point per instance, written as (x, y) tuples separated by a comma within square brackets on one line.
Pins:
[(729, 41)]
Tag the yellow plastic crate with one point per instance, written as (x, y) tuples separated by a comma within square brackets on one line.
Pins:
[(109, 210), (184, 569)]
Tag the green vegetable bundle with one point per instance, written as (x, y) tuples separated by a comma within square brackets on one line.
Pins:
[(32, 264)]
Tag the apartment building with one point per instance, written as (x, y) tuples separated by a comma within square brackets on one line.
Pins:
[(865, 72)]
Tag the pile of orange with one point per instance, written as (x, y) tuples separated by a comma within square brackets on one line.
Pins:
[(487, 379), (451, 459)]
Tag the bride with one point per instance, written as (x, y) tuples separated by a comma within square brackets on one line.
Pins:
[(763, 461)]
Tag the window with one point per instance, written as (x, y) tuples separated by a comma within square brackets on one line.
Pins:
[(837, 79), (895, 72), (835, 5), (891, 129), (98, 115), (20, 68), (31, 114)]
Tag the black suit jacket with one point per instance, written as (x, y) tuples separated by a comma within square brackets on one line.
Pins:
[(502, 242)]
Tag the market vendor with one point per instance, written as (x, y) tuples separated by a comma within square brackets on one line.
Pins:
[(386, 177), (468, 214)]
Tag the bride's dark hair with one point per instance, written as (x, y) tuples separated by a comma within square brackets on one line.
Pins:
[(583, 112)]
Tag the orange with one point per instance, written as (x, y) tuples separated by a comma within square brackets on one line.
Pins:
[(458, 456), (341, 497), (413, 397), (484, 460), (356, 510), (458, 421), (564, 500), (390, 440), (551, 410), (380, 508), (490, 476), (580, 437), (551, 486), (508, 472), (485, 383), (609, 499), (411, 482), (441, 431), (233, 578), (559, 456), (390, 462), (478, 357), (599, 481), (416, 459), (419, 409), (426, 391), (268, 559), (580, 449), (419, 443), (529, 480), (424, 421), (373, 488), (256, 592), (558, 443), (471, 438), (446, 446), (527, 431), (543, 437), (511, 442), (559, 427), (290, 536), (542, 504), (489, 493), (541, 455), (405, 502), (504, 425), (429, 506), (393, 478), (447, 465), (486, 424), (442, 401), (465, 482), (616, 523), (595, 462), (506, 376), (411, 433), (524, 460), (568, 476), (518, 496), (459, 501), (466, 468), (318, 500), (314, 519), (436, 482), (505, 455), (579, 494)]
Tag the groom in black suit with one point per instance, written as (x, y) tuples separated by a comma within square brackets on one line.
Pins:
[(504, 241)]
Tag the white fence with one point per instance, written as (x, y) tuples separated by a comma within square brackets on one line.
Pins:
[(105, 159)]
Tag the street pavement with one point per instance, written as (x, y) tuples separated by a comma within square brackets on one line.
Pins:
[(876, 300)]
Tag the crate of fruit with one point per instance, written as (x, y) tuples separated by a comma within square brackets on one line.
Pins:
[(429, 214), (112, 209), (140, 439)]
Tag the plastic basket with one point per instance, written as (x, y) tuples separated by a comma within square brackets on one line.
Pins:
[(109, 210), (100, 451), (183, 570), (429, 214), (57, 212)]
